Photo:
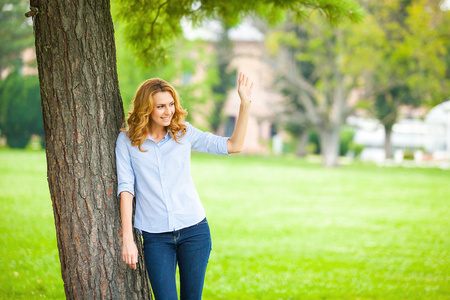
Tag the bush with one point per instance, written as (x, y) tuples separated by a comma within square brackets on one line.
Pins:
[(314, 140), (356, 148), (345, 140), (20, 109), (408, 154)]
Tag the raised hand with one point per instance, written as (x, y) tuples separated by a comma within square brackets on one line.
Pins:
[(244, 88), (236, 142)]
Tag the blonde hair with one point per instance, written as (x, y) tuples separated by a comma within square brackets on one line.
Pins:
[(139, 115)]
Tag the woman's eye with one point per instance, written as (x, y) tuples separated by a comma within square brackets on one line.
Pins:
[(172, 104)]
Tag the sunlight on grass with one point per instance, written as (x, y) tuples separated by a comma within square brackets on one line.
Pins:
[(282, 228)]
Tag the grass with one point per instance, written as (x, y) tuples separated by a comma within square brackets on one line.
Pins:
[(282, 228), (29, 263)]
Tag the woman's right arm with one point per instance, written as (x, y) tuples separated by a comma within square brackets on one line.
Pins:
[(129, 249), (125, 180)]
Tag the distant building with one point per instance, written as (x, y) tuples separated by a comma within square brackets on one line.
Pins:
[(430, 136), (248, 57), (438, 129)]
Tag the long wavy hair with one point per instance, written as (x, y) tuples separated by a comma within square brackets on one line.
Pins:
[(139, 116)]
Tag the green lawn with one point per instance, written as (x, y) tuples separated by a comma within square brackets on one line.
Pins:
[(282, 228)]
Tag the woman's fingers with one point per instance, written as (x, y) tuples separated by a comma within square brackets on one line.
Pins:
[(132, 263), (243, 80), (245, 87), (131, 260)]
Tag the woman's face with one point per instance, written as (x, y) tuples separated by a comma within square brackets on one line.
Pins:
[(163, 109)]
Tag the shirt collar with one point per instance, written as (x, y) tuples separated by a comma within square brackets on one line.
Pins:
[(166, 137)]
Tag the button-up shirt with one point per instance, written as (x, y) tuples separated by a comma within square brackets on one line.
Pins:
[(160, 178)]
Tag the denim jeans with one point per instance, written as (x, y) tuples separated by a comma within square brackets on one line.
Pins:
[(190, 248)]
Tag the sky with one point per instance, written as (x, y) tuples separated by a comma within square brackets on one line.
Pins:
[(211, 29)]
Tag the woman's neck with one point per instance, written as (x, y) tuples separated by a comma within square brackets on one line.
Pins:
[(157, 132)]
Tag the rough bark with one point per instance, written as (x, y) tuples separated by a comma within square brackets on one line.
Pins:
[(329, 144), (302, 142), (83, 112)]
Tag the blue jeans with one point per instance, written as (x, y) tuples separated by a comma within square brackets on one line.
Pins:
[(190, 248)]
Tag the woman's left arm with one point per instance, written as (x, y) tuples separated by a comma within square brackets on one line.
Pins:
[(236, 142)]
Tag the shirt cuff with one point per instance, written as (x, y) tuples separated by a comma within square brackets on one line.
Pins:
[(222, 146), (123, 187)]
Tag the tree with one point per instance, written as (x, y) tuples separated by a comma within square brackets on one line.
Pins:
[(83, 111), (293, 118), (411, 59), (312, 67), (397, 56), (15, 33), (20, 108), (15, 37), (226, 78)]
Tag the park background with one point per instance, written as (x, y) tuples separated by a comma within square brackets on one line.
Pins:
[(288, 228)]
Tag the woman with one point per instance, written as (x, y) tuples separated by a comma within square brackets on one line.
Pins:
[(153, 164)]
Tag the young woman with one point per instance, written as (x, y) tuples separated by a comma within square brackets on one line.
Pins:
[(153, 164)]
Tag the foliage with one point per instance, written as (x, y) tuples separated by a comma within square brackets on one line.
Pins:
[(226, 76), (20, 109), (397, 55), (315, 67), (314, 140), (359, 231), (408, 154), (345, 140), (355, 148), (413, 51), (15, 33), (411, 59), (293, 117), (153, 40)]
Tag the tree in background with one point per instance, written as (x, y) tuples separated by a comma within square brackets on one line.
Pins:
[(411, 56), (20, 109), (83, 112), (152, 41), (15, 33), (226, 77), (397, 55), (294, 120), (312, 65)]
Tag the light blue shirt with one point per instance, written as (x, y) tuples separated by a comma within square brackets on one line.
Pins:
[(166, 198)]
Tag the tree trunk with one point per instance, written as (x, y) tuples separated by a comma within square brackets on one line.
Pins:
[(387, 142), (329, 145), (302, 142), (83, 112)]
